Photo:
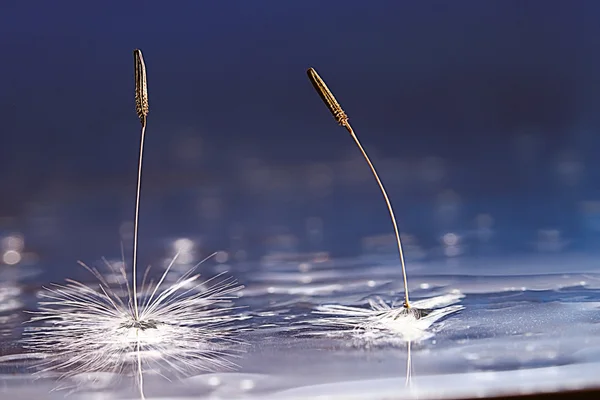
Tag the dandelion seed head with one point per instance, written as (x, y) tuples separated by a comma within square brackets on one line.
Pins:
[(184, 327), (384, 323)]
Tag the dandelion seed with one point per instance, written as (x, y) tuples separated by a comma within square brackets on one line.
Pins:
[(407, 323), (182, 328), (177, 329), (341, 117)]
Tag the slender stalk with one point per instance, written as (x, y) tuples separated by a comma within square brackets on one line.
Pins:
[(390, 209), (342, 119), (136, 223), (141, 106)]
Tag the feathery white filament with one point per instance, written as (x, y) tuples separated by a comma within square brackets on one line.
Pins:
[(383, 322), (185, 326)]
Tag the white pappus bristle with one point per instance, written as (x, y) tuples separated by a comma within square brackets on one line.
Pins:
[(183, 328), (384, 323)]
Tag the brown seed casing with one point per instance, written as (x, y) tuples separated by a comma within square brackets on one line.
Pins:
[(141, 87), (327, 97)]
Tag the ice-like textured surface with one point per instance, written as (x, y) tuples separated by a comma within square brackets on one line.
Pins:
[(527, 325)]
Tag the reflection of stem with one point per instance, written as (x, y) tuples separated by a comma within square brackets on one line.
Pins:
[(140, 377), (408, 366)]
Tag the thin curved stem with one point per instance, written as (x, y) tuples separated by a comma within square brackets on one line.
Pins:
[(389, 206)]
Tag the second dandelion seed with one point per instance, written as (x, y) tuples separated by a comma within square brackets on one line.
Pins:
[(403, 322)]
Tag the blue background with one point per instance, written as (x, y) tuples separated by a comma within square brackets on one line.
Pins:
[(471, 110)]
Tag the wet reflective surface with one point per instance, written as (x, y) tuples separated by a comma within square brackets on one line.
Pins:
[(520, 287), (526, 325)]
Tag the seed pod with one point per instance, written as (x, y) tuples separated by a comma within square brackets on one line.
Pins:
[(141, 87), (327, 97)]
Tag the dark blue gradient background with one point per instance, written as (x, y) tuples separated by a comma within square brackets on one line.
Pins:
[(469, 108)]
